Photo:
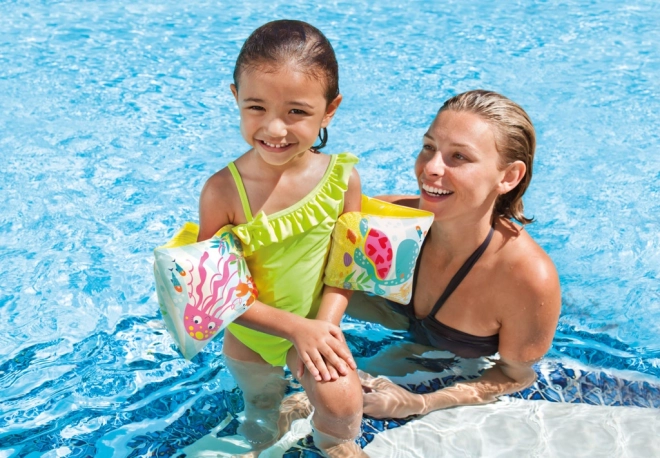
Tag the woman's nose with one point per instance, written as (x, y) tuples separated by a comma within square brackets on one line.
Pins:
[(435, 166)]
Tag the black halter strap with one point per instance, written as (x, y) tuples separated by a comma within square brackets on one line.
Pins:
[(462, 272)]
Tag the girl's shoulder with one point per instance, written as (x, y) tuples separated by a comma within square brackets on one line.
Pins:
[(219, 187), (218, 203), (314, 198), (219, 179)]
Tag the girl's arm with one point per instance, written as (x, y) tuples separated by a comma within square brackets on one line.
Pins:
[(317, 342), (525, 336), (216, 204), (334, 301)]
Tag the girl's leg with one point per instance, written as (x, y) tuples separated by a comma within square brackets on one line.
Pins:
[(337, 411), (263, 388)]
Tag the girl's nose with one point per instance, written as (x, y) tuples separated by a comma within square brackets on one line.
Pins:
[(276, 127)]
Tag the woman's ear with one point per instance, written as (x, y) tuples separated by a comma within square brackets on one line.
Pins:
[(330, 111), (513, 173)]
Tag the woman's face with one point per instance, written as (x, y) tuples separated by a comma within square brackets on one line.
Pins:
[(458, 168)]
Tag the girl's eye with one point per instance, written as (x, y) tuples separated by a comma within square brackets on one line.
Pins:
[(296, 111), (255, 108)]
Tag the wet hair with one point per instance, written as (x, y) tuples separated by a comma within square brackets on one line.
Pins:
[(291, 42), (515, 140)]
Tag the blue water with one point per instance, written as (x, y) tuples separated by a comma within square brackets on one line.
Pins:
[(113, 114)]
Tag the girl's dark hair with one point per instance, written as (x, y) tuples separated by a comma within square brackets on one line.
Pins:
[(296, 42), (515, 140)]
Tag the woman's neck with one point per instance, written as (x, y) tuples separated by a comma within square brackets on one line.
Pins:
[(457, 239)]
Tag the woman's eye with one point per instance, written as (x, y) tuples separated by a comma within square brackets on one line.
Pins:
[(428, 148), (459, 156)]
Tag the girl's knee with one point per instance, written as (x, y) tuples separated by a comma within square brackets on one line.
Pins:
[(341, 399)]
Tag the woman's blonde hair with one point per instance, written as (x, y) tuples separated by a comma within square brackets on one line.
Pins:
[(515, 140)]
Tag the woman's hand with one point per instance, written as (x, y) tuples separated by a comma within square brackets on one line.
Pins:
[(384, 399), (322, 350)]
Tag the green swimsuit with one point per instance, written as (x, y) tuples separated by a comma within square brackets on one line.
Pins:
[(286, 252)]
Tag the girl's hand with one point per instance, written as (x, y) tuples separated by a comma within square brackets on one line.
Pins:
[(322, 350), (384, 399), (334, 375)]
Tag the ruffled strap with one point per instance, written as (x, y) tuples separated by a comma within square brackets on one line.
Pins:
[(325, 201)]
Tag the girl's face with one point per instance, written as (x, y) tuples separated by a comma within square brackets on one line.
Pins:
[(282, 111), (458, 168)]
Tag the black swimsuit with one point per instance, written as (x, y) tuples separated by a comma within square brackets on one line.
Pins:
[(429, 331)]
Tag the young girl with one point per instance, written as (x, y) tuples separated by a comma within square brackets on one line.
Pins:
[(284, 197)]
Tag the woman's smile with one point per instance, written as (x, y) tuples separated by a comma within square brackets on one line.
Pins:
[(435, 192)]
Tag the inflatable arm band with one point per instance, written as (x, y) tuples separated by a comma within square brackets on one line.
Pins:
[(376, 249), (201, 286)]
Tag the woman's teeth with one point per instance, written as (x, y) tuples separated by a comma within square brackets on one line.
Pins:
[(435, 191)]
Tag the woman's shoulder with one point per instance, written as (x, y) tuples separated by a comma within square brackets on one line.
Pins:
[(523, 263), (529, 295)]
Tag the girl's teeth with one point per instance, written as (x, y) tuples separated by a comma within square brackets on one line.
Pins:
[(276, 146)]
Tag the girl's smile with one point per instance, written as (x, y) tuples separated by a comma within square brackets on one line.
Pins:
[(275, 148)]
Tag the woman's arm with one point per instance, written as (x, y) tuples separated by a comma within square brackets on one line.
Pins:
[(384, 399), (406, 201), (526, 333)]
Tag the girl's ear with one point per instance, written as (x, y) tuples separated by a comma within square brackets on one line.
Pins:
[(234, 90), (513, 173), (330, 111)]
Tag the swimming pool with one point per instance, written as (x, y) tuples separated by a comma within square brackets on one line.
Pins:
[(114, 113)]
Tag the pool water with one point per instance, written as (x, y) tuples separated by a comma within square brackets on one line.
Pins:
[(115, 113)]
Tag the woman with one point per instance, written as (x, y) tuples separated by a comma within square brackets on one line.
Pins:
[(482, 285)]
